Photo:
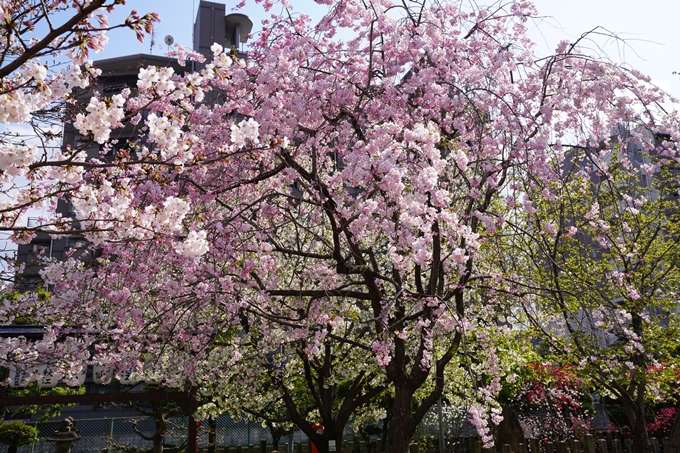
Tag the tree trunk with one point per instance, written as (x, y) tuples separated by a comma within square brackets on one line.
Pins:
[(333, 432), (674, 435), (636, 417), (641, 440), (157, 443), (161, 427), (509, 431), (401, 426)]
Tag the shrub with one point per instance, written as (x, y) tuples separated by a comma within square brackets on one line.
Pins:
[(17, 434)]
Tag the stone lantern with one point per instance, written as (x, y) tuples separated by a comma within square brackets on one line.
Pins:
[(64, 437)]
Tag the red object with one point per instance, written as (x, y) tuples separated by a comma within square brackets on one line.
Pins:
[(199, 425), (318, 427)]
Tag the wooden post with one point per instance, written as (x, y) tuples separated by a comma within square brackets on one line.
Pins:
[(192, 431), (629, 445), (533, 444), (453, 445), (549, 448), (562, 447), (263, 446), (239, 449), (616, 443), (413, 448), (523, 448), (212, 435), (654, 442), (602, 445), (589, 444), (575, 446), (507, 448), (251, 448)]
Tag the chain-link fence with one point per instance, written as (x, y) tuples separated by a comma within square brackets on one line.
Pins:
[(118, 434), (100, 435), (230, 432)]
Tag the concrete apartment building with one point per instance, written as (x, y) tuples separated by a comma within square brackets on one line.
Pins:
[(212, 25)]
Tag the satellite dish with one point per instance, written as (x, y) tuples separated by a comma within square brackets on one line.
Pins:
[(169, 40)]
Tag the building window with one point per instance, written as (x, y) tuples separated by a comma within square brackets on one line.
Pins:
[(33, 222)]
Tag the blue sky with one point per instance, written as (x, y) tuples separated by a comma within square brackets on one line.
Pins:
[(649, 28)]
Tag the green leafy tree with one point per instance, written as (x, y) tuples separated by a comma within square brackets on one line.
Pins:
[(595, 257)]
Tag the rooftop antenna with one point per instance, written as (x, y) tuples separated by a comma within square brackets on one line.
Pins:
[(193, 18), (153, 40)]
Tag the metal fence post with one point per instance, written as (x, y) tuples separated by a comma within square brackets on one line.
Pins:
[(440, 418), (33, 445), (112, 421)]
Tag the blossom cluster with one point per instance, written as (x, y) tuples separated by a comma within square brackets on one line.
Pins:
[(102, 118)]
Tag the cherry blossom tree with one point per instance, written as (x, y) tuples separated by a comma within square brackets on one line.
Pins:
[(323, 209), (45, 46)]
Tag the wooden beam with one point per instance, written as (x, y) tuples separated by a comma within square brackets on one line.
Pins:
[(95, 398)]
